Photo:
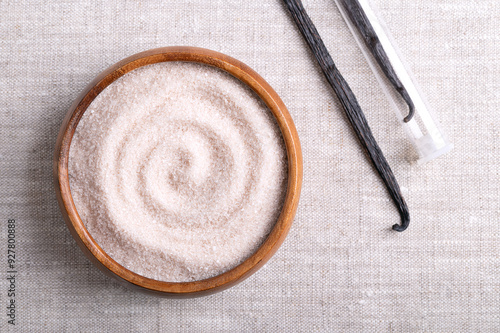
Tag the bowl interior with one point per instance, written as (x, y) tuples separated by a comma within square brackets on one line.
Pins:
[(278, 233)]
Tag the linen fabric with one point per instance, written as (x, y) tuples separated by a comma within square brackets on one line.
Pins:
[(341, 269)]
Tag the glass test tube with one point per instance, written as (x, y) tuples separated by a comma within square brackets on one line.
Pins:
[(423, 129)]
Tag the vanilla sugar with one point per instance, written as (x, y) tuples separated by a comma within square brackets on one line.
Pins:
[(178, 171)]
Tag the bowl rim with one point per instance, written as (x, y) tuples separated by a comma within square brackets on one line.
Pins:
[(90, 247)]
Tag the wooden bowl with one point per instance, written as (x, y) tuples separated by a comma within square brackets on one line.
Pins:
[(88, 245)]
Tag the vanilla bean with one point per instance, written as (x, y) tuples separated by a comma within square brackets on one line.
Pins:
[(360, 20), (351, 108)]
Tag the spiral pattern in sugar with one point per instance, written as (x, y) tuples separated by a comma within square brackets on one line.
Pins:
[(178, 171)]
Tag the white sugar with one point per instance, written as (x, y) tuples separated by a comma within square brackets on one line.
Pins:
[(178, 171)]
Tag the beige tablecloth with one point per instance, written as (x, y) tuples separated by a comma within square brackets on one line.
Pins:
[(341, 268)]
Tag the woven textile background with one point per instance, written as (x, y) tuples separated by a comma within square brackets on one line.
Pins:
[(341, 267)]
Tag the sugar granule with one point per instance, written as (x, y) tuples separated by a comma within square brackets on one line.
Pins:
[(178, 171)]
